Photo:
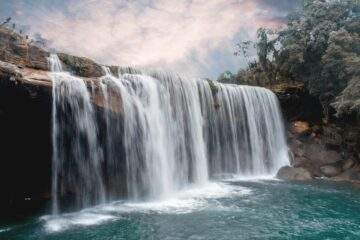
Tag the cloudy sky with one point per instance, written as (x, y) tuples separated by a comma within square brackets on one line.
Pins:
[(191, 37)]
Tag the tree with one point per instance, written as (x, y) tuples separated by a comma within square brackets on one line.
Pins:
[(319, 47)]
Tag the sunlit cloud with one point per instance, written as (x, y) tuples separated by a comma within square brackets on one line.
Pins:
[(190, 37)]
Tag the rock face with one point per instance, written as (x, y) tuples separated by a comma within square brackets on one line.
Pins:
[(81, 66), (348, 175), (297, 104), (17, 50), (294, 174), (25, 120), (325, 147), (25, 141), (330, 171), (21, 52)]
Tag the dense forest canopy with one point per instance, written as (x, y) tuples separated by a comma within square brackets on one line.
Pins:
[(319, 47)]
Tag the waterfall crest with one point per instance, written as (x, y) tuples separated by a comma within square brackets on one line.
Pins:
[(157, 134)]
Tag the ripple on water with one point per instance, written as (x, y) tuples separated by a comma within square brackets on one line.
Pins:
[(186, 201)]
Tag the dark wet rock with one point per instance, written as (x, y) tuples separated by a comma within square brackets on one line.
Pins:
[(348, 164), (319, 154), (348, 175), (356, 185), (25, 140), (330, 171), (332, 135), (297, 103), (296, 174)]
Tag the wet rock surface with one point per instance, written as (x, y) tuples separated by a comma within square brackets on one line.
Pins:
[(25, 121), (294, 174), (326, 147)]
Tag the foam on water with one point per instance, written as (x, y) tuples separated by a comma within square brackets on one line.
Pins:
[(241, 178), (193, 198), (4, 230), (56, 223)]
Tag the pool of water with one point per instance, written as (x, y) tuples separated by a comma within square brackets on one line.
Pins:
[(236, 209)]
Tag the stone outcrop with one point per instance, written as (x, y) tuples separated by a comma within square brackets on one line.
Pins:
[(294, 174), (17, 50), (25, 140), (297, 104), (81, 66), (25, 120), (327, 148), (21, 52)]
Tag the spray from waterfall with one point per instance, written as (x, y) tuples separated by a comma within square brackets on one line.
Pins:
[(155, 134), (77, 154)]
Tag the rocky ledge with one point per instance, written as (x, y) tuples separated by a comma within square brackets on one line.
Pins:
[(25, 120), (320, 148)]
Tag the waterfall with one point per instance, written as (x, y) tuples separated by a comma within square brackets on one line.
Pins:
[(163, 134), (157, 133), (244, 130), (76, 151)]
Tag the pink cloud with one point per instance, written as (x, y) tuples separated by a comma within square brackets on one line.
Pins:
[(178, 35)]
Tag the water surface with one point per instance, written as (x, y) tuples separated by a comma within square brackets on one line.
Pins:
[(236, 209)]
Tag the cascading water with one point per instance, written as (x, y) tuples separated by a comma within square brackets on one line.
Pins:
[(244, 130), (159, 133), (76, 150), (163, 134)]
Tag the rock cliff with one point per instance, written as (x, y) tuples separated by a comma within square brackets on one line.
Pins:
[(326, 148), (25, 120)]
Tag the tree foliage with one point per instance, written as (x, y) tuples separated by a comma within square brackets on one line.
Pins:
[(320, 47)]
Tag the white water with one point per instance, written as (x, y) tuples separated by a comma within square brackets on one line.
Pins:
[(188, 200), (158, 135), (77, 153)]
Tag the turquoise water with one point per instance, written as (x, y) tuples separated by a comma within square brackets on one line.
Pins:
[(251, 209)]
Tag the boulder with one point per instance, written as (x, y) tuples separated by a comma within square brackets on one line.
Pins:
[(301, 127), (314, 169), (318, 154), (330, 170), (332, 135), (81, 66), (298, 150), (299, 162), (348, 164), (348, 175), (294, 174), (356, 185)]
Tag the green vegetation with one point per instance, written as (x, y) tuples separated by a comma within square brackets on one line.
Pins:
[(320, 47)]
